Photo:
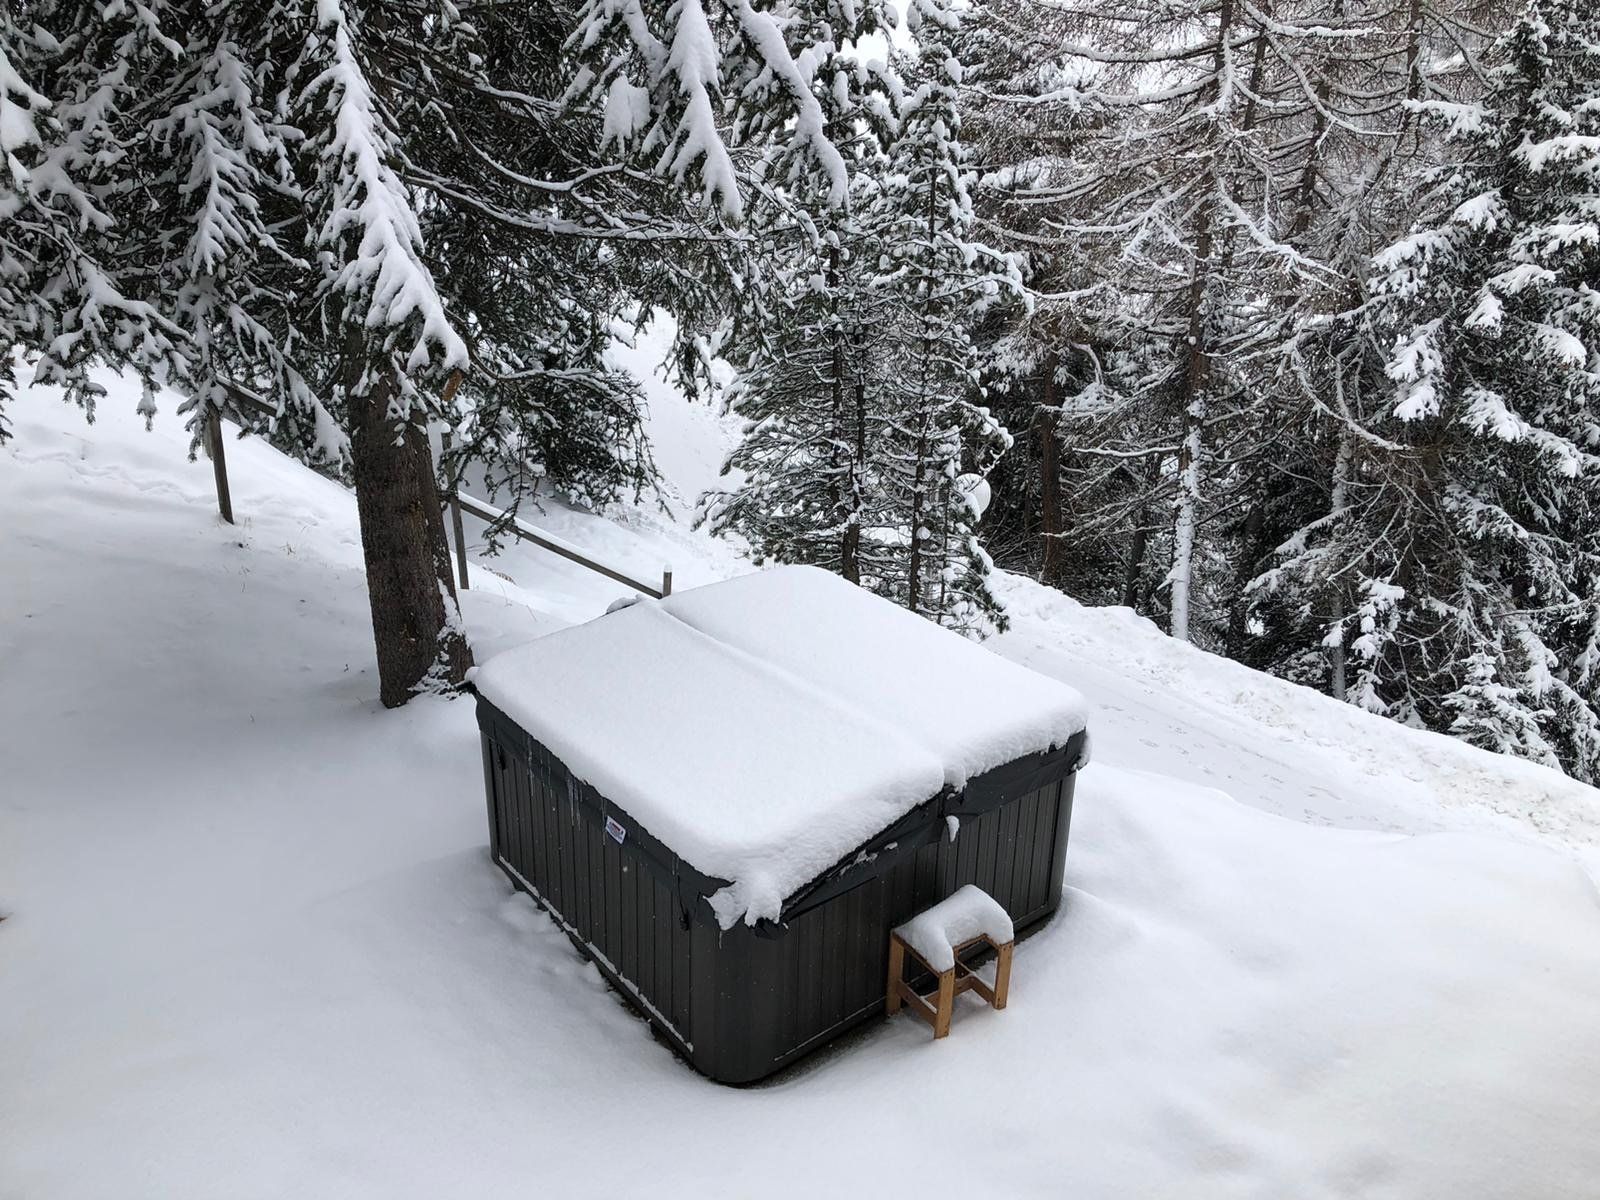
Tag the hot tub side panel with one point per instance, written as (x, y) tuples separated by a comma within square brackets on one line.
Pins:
[(623, 914), (777, 998)]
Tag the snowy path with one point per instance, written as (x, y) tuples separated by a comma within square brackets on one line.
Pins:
[(253, 946)]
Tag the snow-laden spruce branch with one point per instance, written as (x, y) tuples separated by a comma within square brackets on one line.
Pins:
[(384, 279), (664, 82)]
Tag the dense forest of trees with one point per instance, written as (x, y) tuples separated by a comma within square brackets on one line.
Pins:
[(1275, 320)]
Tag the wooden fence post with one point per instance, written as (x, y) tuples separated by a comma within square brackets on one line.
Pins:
[(455, 517), (666, 583), (454, 496), (219, 462)]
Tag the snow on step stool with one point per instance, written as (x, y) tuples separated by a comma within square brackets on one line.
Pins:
[(936, 938)]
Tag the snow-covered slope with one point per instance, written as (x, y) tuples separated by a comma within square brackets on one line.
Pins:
[(1166, 706), (254, 946)]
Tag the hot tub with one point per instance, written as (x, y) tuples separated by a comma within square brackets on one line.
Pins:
[(728, 798)]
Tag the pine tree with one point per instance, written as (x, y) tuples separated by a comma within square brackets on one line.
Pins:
[(864, 446), (215, 202), (20, 109), (374, 308), (1042, 365), (217, 163), (1161, 166), (1296, 551), (69, 84), (1490, 311), (546, 243), (936, 280), (1449, 576), (807, 386), (808, 332), (310, 202)]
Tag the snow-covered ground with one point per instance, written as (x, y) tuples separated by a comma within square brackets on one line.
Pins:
[(253, 945)]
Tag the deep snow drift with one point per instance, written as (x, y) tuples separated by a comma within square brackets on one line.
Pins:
[(254, 946)]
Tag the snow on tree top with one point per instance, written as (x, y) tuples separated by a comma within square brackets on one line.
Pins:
[(766, 726)]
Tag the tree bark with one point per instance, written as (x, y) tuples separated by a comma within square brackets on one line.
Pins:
[(1191, 454), (1046, 422), (851, 548), (1336, 609), (919, 507), (844, 474), (1134, 571), (1249, 554), (415, 622), (914, 561), (1198, 375), (1133, 575)]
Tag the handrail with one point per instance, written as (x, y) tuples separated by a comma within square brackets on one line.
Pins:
[(548, 541), (516, 526)]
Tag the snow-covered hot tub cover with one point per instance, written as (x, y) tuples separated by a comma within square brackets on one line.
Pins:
[(767, 726)]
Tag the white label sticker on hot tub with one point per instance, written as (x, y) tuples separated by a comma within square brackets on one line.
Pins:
[(615, 831)]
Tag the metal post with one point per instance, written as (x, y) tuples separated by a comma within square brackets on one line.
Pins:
[(461, 540), (666, 583), (219, 463), (455, 515)]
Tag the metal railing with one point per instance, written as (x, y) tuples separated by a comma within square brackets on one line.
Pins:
[(455, 501), (548, 541)]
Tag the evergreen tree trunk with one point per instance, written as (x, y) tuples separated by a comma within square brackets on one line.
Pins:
[(415, 625), (1191, 453), (1337, 688), (1139, 543), (1188, 505), (1046, 424), (846, 506), (914, 566), (919, 508), (1208, 264), (850, 559), (1340, 496), (1249, 555)]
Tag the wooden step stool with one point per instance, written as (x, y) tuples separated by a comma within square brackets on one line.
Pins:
[(971, 915)]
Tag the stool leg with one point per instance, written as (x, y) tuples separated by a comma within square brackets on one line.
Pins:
[(947, 1004), (897, 963), (1002, 975)]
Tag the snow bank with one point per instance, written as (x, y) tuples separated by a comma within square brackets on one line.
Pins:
[(966, 913), (746, 772), (1169, 707), (971, 708)]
